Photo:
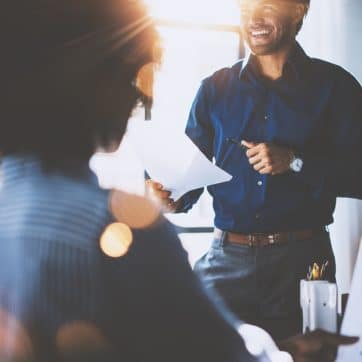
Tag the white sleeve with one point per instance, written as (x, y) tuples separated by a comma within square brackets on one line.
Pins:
[(259, 343)]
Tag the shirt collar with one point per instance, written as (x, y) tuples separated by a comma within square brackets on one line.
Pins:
[(296, 62)]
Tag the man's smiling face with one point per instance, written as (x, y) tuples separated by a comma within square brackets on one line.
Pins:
[(268, 25)]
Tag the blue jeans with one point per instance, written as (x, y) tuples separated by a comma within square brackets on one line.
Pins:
[(261, 284)]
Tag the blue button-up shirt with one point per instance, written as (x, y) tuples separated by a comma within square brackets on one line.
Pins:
[(314, 108)]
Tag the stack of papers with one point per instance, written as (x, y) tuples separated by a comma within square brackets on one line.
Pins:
[(173, 160)]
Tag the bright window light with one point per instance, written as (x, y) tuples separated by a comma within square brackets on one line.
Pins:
[(192, 52), (196, 11)]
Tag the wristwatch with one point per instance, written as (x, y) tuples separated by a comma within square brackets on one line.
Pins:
[(296, 163)]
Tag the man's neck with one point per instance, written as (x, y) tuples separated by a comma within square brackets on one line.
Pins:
[(271, 66)]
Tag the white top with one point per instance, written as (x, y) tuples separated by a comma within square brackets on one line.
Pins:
[(258, 342)]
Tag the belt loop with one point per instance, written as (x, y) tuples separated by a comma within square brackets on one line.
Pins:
[(223, 239), (251, 240)]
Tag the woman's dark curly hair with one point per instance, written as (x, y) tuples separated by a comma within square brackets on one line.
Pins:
[(67, 75)]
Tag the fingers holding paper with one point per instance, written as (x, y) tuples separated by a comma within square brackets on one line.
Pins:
[(161, 196)]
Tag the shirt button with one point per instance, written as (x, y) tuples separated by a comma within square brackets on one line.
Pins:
[(260, 183)]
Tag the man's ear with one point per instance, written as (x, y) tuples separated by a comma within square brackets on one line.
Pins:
[(299, 13)]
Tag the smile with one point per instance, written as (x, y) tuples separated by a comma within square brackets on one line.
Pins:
[(260, 32)]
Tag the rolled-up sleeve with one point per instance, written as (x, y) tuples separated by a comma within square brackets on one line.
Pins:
[(338, 169)]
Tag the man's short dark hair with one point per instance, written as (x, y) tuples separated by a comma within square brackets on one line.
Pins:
[(67, 75), (305, 2)]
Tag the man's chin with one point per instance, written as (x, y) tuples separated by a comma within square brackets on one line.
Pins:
[(262, 50), (266, 49)]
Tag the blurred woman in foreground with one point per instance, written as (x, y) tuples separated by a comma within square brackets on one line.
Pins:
[(85, 273)]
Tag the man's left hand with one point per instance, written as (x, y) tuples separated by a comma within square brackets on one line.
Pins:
[(315, 346), (268, 158)]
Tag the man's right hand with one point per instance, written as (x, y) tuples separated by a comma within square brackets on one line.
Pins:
[(316, 346), (156, 192)]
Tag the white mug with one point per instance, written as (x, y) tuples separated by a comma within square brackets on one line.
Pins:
[(318, 300)]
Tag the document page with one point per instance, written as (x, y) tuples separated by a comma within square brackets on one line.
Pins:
[(352, 321), (172, 159)]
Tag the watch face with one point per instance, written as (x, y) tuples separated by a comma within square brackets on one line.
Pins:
[(297, 165)]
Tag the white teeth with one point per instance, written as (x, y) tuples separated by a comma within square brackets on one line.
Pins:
[(260, 32)]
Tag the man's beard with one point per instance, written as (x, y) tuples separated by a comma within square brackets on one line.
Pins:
[(278, 44)]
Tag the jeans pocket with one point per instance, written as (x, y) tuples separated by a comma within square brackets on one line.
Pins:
[(206, 261)]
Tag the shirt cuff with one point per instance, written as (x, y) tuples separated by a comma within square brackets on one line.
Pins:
[(259, 343)]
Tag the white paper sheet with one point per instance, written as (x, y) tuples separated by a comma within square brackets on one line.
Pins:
[(172, 159), (352, 321)]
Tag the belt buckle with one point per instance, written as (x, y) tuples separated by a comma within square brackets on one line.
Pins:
[(254, 239), (272, 239)]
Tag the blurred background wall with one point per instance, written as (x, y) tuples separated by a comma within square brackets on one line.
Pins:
[(333, 31)]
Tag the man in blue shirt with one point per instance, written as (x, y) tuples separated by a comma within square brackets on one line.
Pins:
[(287, 128)]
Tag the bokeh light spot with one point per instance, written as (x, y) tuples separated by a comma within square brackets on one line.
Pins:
[(15, 342), (80, 336), (116, 240)]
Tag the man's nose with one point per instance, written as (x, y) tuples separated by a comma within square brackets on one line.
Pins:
[(256, 16)]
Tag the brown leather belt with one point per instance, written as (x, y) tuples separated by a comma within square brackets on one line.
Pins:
[(261, 239)]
